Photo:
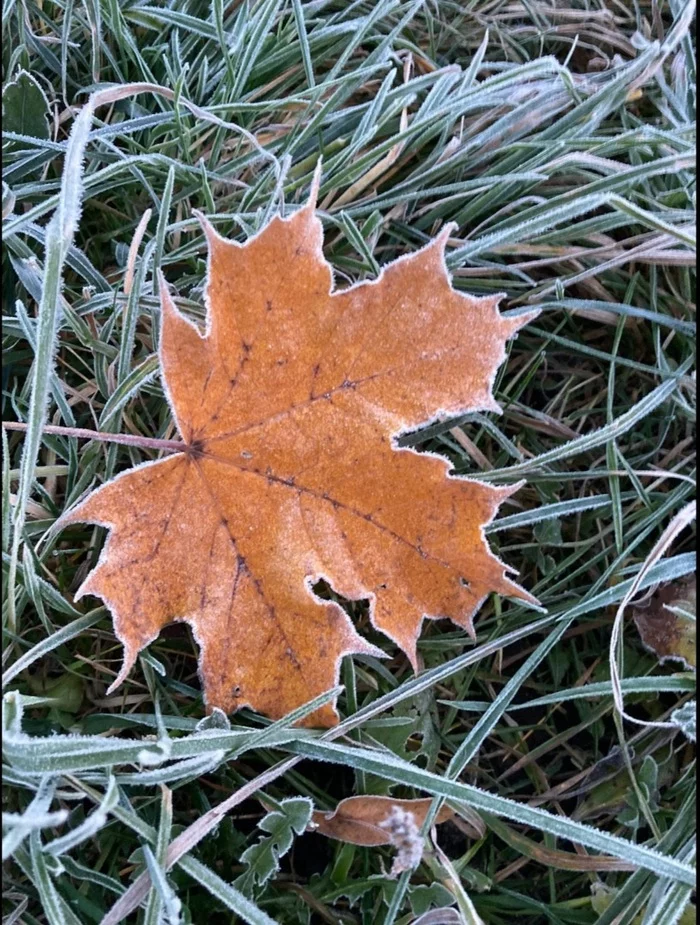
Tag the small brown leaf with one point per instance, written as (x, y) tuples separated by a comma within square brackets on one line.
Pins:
[(358, 820), (664, 628)]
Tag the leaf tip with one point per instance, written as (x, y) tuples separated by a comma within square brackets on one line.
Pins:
[(446, 232), (130, 653), (210, 233), (468, 627), (514, 590), (167, 304), (515, 322), (503, 492)]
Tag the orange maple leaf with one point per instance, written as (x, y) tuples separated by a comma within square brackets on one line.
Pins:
[(289, 406)]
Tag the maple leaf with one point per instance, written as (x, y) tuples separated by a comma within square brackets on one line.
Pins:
[(289, 406)]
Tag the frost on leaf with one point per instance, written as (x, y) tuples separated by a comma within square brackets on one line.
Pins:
[(375, 820), (368, 820), (289, 405), (262, 860), (686, 718), (666, 622)]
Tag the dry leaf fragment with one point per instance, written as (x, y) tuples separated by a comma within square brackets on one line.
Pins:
[(363, 820), (666, 622), (288, 406)]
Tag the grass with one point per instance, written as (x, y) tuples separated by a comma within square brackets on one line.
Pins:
[(561, 141)]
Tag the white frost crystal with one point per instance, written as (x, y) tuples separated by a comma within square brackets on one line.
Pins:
[(405, 836)]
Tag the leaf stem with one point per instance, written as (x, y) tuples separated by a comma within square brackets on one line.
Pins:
[(146, 443)]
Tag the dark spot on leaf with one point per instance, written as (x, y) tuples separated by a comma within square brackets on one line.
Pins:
[(195, 450)]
